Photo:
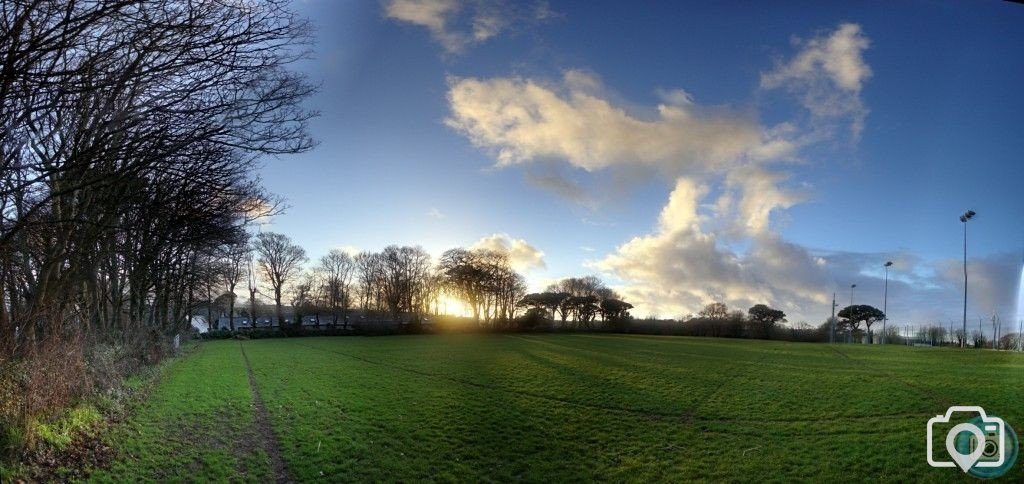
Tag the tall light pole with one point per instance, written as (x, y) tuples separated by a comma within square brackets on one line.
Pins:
[(1020, 333), (964, 218), (832, 320), (851, 304), (885, 300)]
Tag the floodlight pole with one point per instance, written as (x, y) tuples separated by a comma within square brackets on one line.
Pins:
[(832, 321), (1020, 327), (995, 331), (964, 218), (850, 333), (885, 301)]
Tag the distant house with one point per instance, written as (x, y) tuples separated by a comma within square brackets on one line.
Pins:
[(241, 322), (354, 317)]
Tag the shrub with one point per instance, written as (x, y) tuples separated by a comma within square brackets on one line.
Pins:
[(533, 319), (62, 431)]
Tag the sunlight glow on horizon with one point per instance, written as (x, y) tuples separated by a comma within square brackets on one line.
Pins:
[(454, 306)]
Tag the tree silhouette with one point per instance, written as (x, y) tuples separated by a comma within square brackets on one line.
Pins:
[(764, 318), (856, 314), (281, 261), (715, 310)]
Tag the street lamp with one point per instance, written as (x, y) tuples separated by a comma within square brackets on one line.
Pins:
[(885, 301), (964, 218)]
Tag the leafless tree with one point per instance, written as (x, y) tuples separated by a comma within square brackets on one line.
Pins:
[(405, 272), (233, 262), (280, 261), (715, 310), (370, 269), (338, 268), (130, 134)]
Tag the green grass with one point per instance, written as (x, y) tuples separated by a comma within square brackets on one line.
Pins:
[(61, 431), (567, 407), (196, 425)]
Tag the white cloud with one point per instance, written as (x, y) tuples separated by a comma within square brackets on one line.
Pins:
[(522, 255), (761, 196), (827, 74), (992, 283), (677, 97), (434, 213), (348, 249), (487, 25), (434, 15), (680, 267), (524, 120), (458, 24), (714, 239)]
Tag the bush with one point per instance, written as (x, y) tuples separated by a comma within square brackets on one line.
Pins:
[(62, 431), (533, 319)]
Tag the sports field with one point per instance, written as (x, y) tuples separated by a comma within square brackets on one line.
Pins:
[(556, 408)]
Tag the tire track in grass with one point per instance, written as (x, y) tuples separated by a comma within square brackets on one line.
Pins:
[(685, 416), (877, 372), (261, 422), (728, 374), (688, 416)]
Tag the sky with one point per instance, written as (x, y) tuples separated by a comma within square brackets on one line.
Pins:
[(685, 152)]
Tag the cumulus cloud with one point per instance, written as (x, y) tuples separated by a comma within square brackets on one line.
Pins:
[(714, 239), (761, 195), (827, 75), (992, 284), (524, 120), (522, 255), (576, 120), (458, 24), (680, 267)]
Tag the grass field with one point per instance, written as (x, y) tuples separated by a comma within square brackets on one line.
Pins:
[(557, 408)]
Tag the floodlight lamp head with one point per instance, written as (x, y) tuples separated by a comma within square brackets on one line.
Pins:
[(889, 263)]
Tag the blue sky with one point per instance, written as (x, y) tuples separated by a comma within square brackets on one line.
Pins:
[(889, 120)]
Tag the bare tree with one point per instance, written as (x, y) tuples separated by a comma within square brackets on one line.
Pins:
[(715, 310), (465, 276), (338, 268), (280, 262), (405, 271), (130, 135), (252, 281), (233, 260), (369, 267)]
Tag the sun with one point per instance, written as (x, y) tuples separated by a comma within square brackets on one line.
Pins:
[(454, 306)]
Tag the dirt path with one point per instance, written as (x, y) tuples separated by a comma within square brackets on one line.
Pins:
[(264, 432)]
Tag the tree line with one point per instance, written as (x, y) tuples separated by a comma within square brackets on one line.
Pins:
[(402, 283), (130, 134)]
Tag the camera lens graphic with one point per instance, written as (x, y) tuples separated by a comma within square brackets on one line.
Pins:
[(963, 445), (991, 449)]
